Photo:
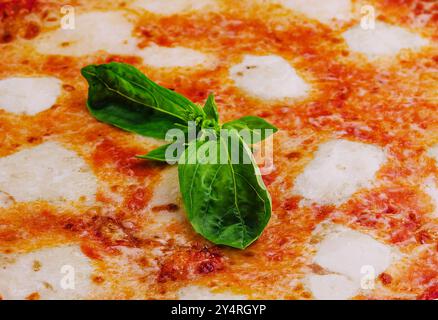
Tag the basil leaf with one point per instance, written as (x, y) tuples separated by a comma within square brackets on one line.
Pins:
[(256, 128), (121, 95), (165, 154), (158, 154), (227, 203), (146, 124), (210, 109)]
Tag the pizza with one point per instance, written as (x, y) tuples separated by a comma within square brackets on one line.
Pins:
[(351, 85)]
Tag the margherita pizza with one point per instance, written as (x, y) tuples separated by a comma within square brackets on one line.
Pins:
[(351, 86)]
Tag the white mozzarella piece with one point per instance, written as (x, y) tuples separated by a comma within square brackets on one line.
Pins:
[(108, 31), (204, 293), (331, 287), (430, 187), (167, 192), (29, 96), (339, 169), (383, 40), (322, 10), (352, 254), (47, 172), (268, 77), (53, 273), (166, 57), (169, 7)]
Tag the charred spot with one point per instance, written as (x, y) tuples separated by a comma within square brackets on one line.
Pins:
[(69, 226), (249, 254), (34, 139), (7, 37), (206, 267), (98, 279), (36, 266), (172, 207)]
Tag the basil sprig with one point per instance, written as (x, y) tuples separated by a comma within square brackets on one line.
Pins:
[(226, 200)]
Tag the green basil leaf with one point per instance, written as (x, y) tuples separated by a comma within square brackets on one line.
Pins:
[(146, 124), (257, 128), (121, 95), (159, 154), (210, 109), (227, 203)]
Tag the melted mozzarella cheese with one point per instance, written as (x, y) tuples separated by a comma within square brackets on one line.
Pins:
[(339, 169), (46, 172), (354, 260), (322, 10), (204, 293), (331, 287), (167, 192), (160, 57), (347, 252), (53, 273), (29, 96), (94, 31), (268, 77), (168, 7), (431, 189), (383, 40), (113, 34)]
